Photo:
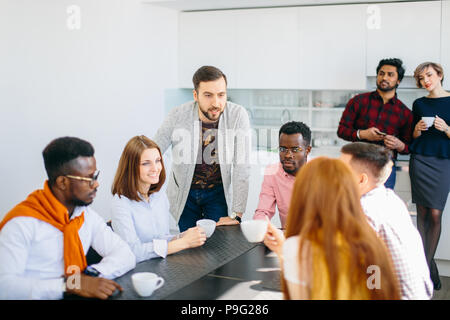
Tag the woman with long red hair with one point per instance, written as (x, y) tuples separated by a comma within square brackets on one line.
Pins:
[(329, 251)]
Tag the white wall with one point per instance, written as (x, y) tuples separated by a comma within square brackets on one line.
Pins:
[(104, 83)]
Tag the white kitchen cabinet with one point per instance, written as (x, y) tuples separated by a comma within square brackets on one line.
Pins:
[(445, 44), (254, 48), (207, 38), (409, 31), (332, 47), (268, 48), (313, 47)]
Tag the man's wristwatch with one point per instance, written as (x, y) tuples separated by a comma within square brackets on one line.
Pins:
[(90, 271), (236, 217)]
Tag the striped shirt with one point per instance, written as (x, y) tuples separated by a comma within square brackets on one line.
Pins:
[(389, 217)]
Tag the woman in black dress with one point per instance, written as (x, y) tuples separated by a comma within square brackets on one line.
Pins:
[(429, 166)]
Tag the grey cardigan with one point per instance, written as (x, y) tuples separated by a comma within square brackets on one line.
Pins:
[(182, 128)]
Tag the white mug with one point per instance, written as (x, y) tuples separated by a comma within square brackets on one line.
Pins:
[(429, 121), (146, 282), (208, 225), (254, 230)]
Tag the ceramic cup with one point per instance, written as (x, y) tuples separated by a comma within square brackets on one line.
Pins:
[(146, 282), (428, 120), (254, 230), (208, 225)]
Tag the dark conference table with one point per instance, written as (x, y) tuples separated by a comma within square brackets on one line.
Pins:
[(208, 272)]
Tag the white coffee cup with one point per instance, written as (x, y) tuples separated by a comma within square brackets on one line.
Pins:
[(254, 230), (146, 282), (208, 225), (429, 121)]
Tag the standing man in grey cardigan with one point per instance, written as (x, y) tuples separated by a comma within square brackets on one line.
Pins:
[(210, 140)]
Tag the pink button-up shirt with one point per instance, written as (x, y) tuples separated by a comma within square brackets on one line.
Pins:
[(276, 189)]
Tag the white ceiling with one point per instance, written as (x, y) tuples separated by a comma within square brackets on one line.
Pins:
[(193, 5)]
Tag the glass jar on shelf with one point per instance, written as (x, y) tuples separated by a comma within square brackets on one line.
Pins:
[(325, 139)]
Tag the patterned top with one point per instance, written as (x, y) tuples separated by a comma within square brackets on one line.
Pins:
[(389, 217), (367, 110), (207, 170)]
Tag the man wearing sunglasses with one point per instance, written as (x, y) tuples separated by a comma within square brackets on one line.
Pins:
[(294, 147), (45, 238)]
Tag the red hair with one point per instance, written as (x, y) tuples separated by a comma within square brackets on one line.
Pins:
[(326, 203)]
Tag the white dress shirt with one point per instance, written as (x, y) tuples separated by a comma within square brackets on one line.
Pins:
[(32, 255), (143, 225), (388, 215)]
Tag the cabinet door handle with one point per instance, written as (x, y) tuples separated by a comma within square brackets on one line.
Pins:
[(175, 179)]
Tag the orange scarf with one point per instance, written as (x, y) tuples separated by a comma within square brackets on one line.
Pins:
[(43, 205)]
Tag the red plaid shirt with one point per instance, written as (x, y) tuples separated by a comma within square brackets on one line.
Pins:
[(367, 110)]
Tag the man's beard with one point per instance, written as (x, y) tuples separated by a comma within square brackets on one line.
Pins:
[(292, 171), (207, 116), (80, 203), (386, 89)]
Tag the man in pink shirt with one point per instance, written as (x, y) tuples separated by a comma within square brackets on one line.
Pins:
[(294, 147)]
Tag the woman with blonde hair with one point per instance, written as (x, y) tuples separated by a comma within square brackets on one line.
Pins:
[(330, 251), (140, 210), (429, 166)]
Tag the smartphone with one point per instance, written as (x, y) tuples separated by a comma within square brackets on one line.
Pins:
[(382, 133)]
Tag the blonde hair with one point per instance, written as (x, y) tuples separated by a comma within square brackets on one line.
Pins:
[(421, 67)]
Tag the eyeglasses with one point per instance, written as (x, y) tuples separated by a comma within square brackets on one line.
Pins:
[(293, 149), (90, 180)]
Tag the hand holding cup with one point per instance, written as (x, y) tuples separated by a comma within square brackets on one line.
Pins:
[(429, 121), (421, 126), (208, 225), (274, 239), (194, 237)]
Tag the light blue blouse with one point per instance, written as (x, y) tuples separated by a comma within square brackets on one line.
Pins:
[(143, 225)]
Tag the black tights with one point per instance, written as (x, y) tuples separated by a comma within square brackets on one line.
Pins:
[(429, 226)]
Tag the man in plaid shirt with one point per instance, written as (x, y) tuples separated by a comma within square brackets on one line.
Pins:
[(389, 217), (380, 117)]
